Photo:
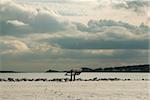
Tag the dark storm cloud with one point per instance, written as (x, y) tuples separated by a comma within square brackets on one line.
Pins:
[(107, 34), (74, 43)]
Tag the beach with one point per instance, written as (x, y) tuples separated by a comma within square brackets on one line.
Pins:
[(76, 90)]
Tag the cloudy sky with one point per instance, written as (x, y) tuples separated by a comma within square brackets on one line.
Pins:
[(37, 35)]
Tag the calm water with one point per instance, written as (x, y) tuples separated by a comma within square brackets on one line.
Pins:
[(134, 76)]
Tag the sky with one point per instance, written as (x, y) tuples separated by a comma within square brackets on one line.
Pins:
[(38, 35)]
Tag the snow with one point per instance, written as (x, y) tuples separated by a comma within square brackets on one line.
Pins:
[(78, 90)]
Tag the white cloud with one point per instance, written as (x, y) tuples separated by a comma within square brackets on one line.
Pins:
[(44, 48), (12, 46), (16, 23), (38, 19), (99, 52), (60, 1)]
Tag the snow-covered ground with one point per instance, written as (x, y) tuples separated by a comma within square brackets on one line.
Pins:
[(78, 90)]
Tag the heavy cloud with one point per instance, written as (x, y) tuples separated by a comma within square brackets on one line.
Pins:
[(105, 34), (30, 19), (37, 36), (138, 6)]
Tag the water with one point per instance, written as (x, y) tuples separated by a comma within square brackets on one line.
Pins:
[(133, 76)]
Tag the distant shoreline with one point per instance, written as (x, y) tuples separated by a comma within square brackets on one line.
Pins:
[(145, 68), (65, 72)]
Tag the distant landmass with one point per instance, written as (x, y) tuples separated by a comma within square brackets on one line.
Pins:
[(8, 72), (131, 68), (52, 71)]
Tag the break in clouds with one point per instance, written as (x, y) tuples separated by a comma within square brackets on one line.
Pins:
[(36, 35)]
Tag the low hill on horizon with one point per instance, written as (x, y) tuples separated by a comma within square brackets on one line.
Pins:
[(8, 72), (131, 68)]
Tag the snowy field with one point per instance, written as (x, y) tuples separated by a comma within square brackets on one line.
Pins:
[(78, 90)]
